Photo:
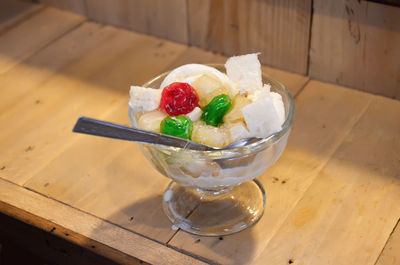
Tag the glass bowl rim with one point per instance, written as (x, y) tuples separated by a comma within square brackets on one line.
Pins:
[(244, 150)]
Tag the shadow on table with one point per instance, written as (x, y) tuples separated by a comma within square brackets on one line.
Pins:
[(231, 249)]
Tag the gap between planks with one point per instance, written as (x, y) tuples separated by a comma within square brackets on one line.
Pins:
[(378, 259), (301, 89), (309, 39)]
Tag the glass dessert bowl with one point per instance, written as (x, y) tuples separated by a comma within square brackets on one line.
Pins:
[(215, 193)]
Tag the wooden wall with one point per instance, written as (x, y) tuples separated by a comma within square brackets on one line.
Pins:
[(357, 44), (349, 42), (278, 28)]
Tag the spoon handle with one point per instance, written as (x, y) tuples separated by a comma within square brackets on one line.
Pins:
[(111, 130)]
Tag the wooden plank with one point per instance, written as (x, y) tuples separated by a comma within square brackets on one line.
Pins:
[(354, 43), (36, 32), (85, 229), (94, 85), (45, 105), (348, 213), (277, 29), (12, 12), (390, 254), (325, 114), (77, 6), (165, 19), (39, 68)]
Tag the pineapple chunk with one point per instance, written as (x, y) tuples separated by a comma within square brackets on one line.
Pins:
[(151, 121), (209, 135), (207, 87), (235, 113)]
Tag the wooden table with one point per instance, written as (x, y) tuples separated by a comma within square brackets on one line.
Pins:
[(332, 198)]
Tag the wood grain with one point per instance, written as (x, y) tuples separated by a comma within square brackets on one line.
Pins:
[(39, 100), (277, 29), (325, 114), (36, 33), (165, 19), (77, 6), (46, 63), (85, 229), (390, 254), (12, 12), (348, 213), (355, 43)]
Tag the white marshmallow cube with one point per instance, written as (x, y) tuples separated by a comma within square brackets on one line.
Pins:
[(246, 71), (279, 107), (260, 93), (261, 118), (144, 99)]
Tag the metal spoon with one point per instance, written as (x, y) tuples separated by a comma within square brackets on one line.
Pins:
[(107, 129)]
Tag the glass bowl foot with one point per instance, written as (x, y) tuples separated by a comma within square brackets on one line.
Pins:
[(214, 213)]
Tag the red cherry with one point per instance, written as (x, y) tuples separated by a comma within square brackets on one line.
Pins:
[(179, 99)]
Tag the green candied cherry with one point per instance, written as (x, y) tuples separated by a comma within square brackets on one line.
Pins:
[(179, 126), (214, 111)]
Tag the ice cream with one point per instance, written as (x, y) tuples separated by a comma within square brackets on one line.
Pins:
[(200, 103)]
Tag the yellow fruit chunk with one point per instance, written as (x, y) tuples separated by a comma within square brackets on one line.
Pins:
[(150, 121), (209, 135), (235, 113), (208, 87)]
